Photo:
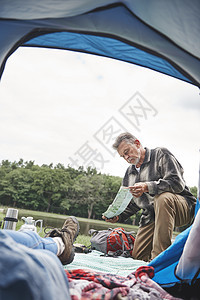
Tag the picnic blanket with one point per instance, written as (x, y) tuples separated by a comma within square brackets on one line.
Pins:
[(95, 276), (96, 261)]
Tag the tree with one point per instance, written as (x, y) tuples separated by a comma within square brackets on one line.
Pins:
[(84, 193), (51, 187), (15, 187), (92, 193), (194, 191), (87, 192)]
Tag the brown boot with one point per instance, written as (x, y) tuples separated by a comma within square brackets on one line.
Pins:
[(68, 233)]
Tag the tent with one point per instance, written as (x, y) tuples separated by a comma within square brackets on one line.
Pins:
[(157, 34)]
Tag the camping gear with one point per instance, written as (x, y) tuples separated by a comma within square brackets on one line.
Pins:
[(113, 242), (10, 219), (31, 224)]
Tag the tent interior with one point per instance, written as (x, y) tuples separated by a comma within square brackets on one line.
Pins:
[(76, 74)]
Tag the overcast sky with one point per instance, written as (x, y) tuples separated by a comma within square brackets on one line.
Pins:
[(66, 107)]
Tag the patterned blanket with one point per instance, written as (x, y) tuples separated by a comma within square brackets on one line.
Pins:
[(86, 285), (94, 276)]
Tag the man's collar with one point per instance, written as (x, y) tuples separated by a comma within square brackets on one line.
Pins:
[(147, 156)]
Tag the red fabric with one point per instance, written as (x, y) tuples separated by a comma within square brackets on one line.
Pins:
[(91, 285), (144, 270), (107, 280), (102, 286)]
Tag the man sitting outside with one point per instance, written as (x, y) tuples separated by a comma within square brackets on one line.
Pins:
[(155, 179)]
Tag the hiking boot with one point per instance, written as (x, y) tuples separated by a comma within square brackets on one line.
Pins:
[(68, 233)]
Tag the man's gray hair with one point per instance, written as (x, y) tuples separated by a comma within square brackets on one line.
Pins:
[(127, 137)]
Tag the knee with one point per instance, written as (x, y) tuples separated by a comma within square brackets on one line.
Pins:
[(164, 199)]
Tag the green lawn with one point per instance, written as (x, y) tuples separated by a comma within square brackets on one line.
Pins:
[(82, 239)]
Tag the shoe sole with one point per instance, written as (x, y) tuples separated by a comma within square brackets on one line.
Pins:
[(74, 219), (71, 257)]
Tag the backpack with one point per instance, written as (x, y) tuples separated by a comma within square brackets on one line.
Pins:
[(113, 242)]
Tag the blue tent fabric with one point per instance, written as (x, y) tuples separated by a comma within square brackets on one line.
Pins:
[(165, 264), (104, 45), (30, 273), (160, 35)]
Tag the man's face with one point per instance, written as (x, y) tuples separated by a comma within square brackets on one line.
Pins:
[(130, 152)]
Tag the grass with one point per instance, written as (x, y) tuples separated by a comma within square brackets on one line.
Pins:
[(81, 239)]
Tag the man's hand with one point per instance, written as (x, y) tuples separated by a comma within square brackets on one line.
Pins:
[(112, 220), (138, 189)]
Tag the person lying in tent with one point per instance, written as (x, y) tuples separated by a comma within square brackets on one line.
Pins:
[(31, 266), (155, 180)]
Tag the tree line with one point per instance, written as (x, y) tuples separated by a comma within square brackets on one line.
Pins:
[(58, 189), (65, 190)]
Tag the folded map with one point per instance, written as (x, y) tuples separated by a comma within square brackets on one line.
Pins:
[(119, 204)]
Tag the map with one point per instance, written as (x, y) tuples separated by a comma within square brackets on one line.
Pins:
[(119, 204)]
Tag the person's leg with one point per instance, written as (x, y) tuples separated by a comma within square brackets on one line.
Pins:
[(170, 210), (32, 240), (58, 241), (68, 234), (30, 273), (143, 242)]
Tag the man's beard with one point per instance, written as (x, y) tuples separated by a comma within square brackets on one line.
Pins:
[(137, 159)]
